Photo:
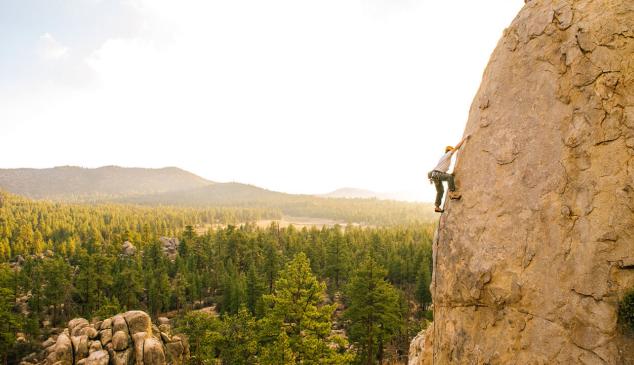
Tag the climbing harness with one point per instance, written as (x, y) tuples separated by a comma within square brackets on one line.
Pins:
[(433, 176)]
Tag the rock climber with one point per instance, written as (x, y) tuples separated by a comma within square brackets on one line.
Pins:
[(439, 174)]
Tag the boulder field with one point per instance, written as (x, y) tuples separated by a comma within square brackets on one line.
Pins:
[(125, 339)]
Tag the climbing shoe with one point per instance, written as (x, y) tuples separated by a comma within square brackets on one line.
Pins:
[(438, 210), (454, 195)]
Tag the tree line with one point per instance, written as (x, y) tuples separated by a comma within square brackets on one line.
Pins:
[(328, 295)]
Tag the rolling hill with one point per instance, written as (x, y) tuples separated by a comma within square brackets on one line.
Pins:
[(77, 183)]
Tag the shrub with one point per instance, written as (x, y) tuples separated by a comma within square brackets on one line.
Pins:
[(626, 311)]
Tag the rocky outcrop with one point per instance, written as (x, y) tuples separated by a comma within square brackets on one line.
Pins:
[(169, 245), (128, 248), (420, 349), (125, 339), (530, 264)]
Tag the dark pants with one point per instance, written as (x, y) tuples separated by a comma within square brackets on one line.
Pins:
[(439, 177)]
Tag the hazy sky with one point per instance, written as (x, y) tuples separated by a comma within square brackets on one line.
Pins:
[(291, 95)]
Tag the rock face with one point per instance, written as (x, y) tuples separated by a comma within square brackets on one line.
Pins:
[(531, 263), (125, 339)]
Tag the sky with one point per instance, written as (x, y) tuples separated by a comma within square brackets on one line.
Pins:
[(290, 95)]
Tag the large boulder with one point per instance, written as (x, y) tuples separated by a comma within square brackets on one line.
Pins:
[(120, 341), (90, 332), (175, 352), (76, 325), (64, 350), (80, 347), (100, 357), (138, 321), (139, 340), (420, 349), (529, 264), (153, 352), (105, 336), (125, 357), (105, 324), (119, 324)]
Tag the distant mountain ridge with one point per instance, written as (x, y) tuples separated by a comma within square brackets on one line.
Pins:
[(65, 182), (355, 193)]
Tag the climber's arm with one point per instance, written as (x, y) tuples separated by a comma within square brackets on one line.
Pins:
[(462, 142)]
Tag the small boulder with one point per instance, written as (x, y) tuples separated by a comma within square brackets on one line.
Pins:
[(75, 325), (105, 336), (175, 352), (138, 321), (100, 357), (48, 343), (80, 346), (95, 346), (51, 358), (123, 357), (64, 350), (120, 341), (90, 332), (166, 328), (163, 320), (139, 339), (128, 248), (153, 353), (107, 323), (119, 324)]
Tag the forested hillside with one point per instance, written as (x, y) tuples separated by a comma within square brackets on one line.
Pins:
[(352, 293), (362, 211), (175, 187)]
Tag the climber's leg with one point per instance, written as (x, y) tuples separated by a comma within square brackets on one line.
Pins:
[(440, 191), (451, 182), (452, 186)]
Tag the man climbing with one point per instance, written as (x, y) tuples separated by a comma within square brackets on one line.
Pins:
[(439, 174)]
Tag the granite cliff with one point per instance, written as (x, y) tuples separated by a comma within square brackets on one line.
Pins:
[(532, 262)]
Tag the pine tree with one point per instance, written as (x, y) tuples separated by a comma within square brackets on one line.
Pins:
[(336, 258), (85, 284), (58, 287), (423, 294), (279, 352), (254, 291), (373, 311), (295, 308), (239, 340), (233, 291), (9, 324), (205, 338)]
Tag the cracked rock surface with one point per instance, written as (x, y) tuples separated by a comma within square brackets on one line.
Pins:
[(531, 263)]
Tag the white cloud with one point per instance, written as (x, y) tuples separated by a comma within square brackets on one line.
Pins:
[(50, 49)]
